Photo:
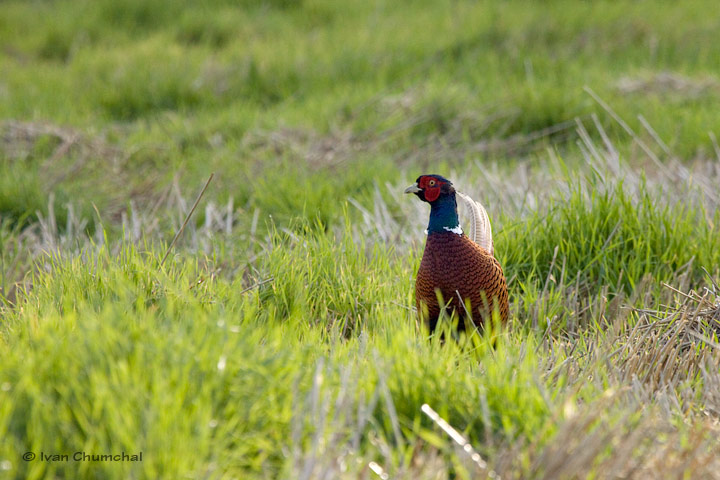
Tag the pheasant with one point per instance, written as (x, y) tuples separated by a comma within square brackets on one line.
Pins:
[(455, 268)]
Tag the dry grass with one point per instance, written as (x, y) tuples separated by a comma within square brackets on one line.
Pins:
[(647, 371), (74, 151), (646, 425), (668, 82), (82, 162)]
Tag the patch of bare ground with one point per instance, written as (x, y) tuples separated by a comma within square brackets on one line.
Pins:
[(668, 83), (316, 150)]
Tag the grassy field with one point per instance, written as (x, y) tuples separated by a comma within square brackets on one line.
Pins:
[(279, 339)]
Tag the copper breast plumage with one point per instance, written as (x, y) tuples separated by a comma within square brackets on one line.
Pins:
[(458, 268)]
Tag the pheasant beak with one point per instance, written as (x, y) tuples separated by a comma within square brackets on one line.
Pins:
[(413, 188)]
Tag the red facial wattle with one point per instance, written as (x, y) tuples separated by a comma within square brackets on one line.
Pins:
[(432, 193), (431, 188)]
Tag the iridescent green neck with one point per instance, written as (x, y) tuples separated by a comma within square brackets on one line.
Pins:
[(444, 216)]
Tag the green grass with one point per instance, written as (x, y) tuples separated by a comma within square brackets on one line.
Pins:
[(159, 359), (194, 84), (279, 340), (111, 352)]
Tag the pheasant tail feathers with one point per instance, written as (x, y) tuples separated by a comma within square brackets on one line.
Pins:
[(480, 230)]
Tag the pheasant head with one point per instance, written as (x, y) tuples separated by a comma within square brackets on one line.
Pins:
[(439, 193), (429, 188)]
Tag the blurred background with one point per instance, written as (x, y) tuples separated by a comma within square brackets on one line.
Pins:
[(109, 102)]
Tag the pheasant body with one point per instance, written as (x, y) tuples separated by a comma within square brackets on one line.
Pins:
[(454, 269), (458, 268)]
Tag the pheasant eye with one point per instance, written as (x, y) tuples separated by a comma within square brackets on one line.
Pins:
[(431, 183)]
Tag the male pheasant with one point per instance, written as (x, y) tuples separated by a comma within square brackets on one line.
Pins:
[(455, 268)]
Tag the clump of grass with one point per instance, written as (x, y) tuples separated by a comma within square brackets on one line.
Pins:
[(608, 237)]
